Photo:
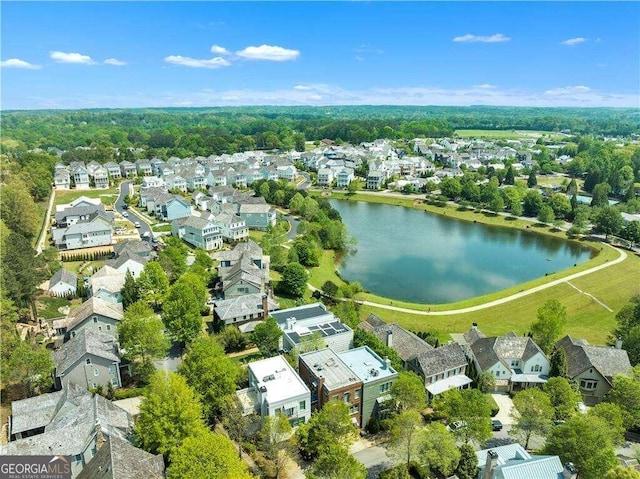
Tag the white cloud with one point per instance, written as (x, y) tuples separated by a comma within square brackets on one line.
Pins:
[(497, 38), (115, 62), (484, 86), (17, 63), (569, 90), (218, 50), (574, 41), (217, 62), (71, 57), (302, 87), (269, 52), (367, 49)]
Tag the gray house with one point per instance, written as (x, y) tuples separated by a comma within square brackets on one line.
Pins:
[(257, 216), (244, 311), (83, 235), (94, 313), (198, 232), (90, 359), (63, 283)]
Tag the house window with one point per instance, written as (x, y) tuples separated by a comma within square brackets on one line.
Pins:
[(385, 387), (114, 382), (588, 384), (88, 360), (303, 405), (99, 328), (514, 363), (95, 319), (96, 372), (108, 327), (289, 412), (346, 397), (77, 458), (357, 394), (94, 385)]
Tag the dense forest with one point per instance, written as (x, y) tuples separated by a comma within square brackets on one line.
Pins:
[(203, 131)]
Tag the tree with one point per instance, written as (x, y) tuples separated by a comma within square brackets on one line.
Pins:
[(293, 281), (274, 436), (331, 425), (403, 430), (509, 177), (469, 406), (266, 336), (235, 423), (129, 290), (631, 231), (613, 416), (173, 258), (600, 195), (558, 364), (29, 367), (153, 283), (169, 413), (296, 202), (532, 180), (437, 449), (545, 214), (451, 188), (142, 338), (330, 288), (408, 392), (21, 270), (17, 208), (196, 284), (608, 221), (516, 209), (625, 393), (207, 455), (547, 329), (532, 415), (563, 397), (531, 203), (211, 374), (309, 208), (335, 462), (497, 204), (181, 313), (232, 339), (486, 382), (311, 342), (586, 443), (560, 204), (622, 472), (468, 464)]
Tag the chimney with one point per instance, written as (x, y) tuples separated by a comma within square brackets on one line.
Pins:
[(569, 471), (320, 396), (474, 326), (618, 342), (490, 465), (265, 307), (389, 338), (289, 323), (387, 363), (100, 439)]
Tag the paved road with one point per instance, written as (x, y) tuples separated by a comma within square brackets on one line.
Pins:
[(46, 224), (535, 289), (306, 184), (375, 459), (119, 207)]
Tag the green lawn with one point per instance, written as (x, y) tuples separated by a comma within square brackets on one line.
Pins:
[(74, 266), (48, 306), (163, 228), (108, 196)]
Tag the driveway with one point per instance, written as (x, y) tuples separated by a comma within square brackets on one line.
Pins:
[(505, 404), (119, 207)]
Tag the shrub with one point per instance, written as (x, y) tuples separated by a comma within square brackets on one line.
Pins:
[(494, 405), (128, 393)]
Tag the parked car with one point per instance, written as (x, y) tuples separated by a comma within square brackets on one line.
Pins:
[(454, 426), (125, 214), (137, 224), (582, 408), (496, 425), (210, 301)]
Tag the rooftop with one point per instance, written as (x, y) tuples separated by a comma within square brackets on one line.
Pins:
[(278, 379), (325, 329), (326, 364), (300, 313), (367, 365), (87, 341)]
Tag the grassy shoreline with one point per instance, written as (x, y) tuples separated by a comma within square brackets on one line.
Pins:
[(587, 319)]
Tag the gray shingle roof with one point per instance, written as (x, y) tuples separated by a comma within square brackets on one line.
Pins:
[(472, 335), (132, 246), (488, 351), (249, 247), (94, 306), (124, 257), (242, 306), (581, 355), (34, 412), (64, 276), (86, 342), (445, 358), (119, 459), (407, 344)]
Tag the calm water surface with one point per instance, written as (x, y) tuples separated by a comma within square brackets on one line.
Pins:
[(411, 255)]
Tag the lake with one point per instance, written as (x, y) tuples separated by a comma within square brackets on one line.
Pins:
[(410, 255)]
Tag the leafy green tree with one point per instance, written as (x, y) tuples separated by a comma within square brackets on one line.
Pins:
[(608, 221), (631, 231), (516, 209), (468, 464), (196, 284), (207, 455), (173, 258), (181, 313), (335, 462), (560, 204), (129, 290), (21, 270), (232, 339), (486, 382), (509, 177), (153, 283), (264, 190), (330, 288), (558, 364), (310, 208), (451, 188), (236, 423), (408, 392), (296, 203), (469, 406), (29, 367), (612, 415), (274, 436), (532, 414), (17, 208), (293, 281), (331, 425), (600, 195), (563, 396), (403, 431), (531, 203), (169, 413), (211, 374), (547, 329), (142, 338), (625, 393), (532, 180), (545, 214), (203, 259), (437, 449), (622, 472), (266, 336), (497, 204), (586, 443)]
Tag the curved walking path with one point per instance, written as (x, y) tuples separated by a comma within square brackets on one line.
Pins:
[(45, 225), (535, 289)]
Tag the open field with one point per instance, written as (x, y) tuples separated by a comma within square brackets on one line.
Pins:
[(108, 196), (508, 134)]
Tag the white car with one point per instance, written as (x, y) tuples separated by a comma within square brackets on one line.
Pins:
[(125, 214), (137, 224)]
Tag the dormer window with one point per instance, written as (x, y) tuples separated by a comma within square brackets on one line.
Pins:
[(88, 361)]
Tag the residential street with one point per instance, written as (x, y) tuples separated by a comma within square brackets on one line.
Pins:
[(133, 217)]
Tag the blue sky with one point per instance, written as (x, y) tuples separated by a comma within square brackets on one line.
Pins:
[(142, 54)]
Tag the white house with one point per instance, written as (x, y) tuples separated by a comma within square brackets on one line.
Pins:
[(63, 283)]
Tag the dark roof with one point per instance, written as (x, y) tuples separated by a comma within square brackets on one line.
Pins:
[(64, 276), (119, 459), (300, 313), (94, 306), (581, 355), (473, 335), (325, 330), (87, 341), (371, 323), (140, 248), (438, 360), (407, 344), (125, 256)]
